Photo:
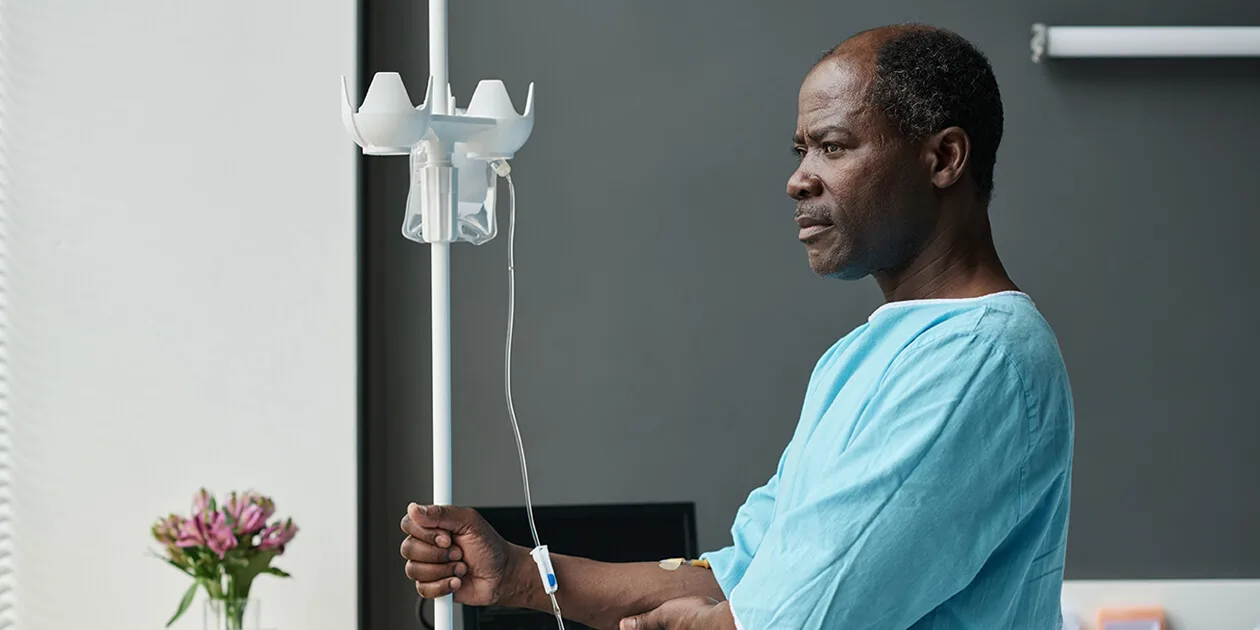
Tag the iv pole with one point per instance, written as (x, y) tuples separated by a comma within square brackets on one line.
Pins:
[(443, 607), (442, 141)]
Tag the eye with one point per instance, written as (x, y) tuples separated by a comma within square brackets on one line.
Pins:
[(831, 149), (799, 152)]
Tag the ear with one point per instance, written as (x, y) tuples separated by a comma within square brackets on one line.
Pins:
[(947, 152)]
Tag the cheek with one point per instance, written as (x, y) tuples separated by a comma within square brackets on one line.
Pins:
[(857, 175), (878, 194), (873, 204), (857, 199)]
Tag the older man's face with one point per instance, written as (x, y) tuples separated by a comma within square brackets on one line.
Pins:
[(862, 202)]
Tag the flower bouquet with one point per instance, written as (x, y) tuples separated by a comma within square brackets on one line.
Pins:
[(223, 548)]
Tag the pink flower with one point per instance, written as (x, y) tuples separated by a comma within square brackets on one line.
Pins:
[(166, 530), (249, 512), (277, 535), (252, 520), (202, 501), (190, 533), (209, 529), (237, 503)]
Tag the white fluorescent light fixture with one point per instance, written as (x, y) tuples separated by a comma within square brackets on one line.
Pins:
[(1144, 41)]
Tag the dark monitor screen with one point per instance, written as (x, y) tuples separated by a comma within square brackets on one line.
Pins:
[(609, 533)]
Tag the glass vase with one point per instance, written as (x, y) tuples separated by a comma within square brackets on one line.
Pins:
[(232, 614)]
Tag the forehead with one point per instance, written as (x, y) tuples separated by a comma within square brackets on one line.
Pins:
[(834, 92)]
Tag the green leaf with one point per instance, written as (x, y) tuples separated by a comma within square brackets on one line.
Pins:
[(276, 571), (185, 602), (214, 587), (172, 563), (178, 566), (243, 576), (235, 562)]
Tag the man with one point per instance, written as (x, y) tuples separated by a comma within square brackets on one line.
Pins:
[(927, 483)]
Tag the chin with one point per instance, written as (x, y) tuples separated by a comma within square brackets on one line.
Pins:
[(838, 269)]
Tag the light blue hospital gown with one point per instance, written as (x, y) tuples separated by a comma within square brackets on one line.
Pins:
[(926, 485)]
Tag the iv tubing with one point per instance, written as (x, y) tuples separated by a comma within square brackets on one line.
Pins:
[(507, 378)]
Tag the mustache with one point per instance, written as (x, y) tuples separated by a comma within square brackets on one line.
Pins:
[(804, 211)]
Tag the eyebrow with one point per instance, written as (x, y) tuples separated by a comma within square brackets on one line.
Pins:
[(820, 132)]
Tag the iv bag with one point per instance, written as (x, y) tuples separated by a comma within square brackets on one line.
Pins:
[(474, 186), (476, 223)]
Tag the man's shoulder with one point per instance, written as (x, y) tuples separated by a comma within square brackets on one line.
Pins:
[(1009, 328), (1001, 336), (1016, 341)]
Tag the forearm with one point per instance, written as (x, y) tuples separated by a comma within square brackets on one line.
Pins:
[(600, 594)]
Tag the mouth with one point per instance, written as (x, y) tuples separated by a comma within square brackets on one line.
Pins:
[(811, 226), (808, 233)]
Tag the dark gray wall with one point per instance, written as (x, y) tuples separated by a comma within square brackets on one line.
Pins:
[(667, 320)]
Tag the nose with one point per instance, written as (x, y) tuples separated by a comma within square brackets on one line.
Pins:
[(804, 185)]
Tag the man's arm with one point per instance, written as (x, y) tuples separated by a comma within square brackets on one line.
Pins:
[(688, 597), (601, 594), (452, 550)]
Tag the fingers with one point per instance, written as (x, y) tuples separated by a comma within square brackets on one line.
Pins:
[(684, 612), (447, 517), (425, 573), (647, 621), (433, 561), (432, 536), (434, 590), (421, 551)]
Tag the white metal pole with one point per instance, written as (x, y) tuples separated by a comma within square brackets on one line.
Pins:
[(444, 607), (437, 54)]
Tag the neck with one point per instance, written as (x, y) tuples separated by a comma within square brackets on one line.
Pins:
[(958, 261)]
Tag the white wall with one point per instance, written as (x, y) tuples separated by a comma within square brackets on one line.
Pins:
[(181, 229)]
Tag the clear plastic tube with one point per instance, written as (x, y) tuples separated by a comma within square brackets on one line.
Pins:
[(507, 379)]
